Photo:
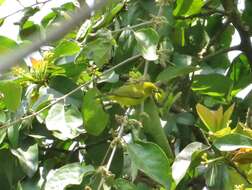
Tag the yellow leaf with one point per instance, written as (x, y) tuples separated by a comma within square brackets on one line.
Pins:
[(227, 115), (207, 116), (218, 115), (223, 132)]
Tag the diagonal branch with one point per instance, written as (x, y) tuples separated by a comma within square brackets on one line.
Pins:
[(218, 52), (24, 8), (69, 93), (201, 14), (243, 30), (13, 57)]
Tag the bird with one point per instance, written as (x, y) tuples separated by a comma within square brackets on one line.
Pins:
[(133, 93)]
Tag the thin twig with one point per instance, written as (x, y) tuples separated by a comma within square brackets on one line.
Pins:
[(19, 2), (234, 16), (120, 133), (218, 52), (204, 15), (121, 128), (69, 93), (230, 163), (24, 8), (249, 117), (134, 26), (55, 33), (146, 65), (219, 32)]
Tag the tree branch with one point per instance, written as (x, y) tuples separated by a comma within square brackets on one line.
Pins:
[(134, 26), (23, 9), (243, 30), (56, 33), (218, 52), (216, 36), (69, 93), (230, 163), (201, 14)]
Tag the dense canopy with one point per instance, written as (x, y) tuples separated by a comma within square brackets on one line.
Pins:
[(127, 95)]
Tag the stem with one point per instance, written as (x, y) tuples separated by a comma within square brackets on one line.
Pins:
[(206, 14), (120, 133), (243, 30), (19, 2), (215, 38), (114, 148), (218, 52), (13, 57), (146, 66), (133, 26), (69, 93), (216, 159), (239, 171), (249, 117), (24, 8)]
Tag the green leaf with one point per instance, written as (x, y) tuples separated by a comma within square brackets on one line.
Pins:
[(6, 44), (185, 118), (13, 135), (84, 29), (147, 40), (28, 12), (150, 159), (183, 160), (247, 14), (239, 73), (28, 29), (12, 93), (2, 1), (95, 118), (48, 19), (227, 114), (233, 142), (66, 48), (28, 158), (212, 84), (189, 40), (99, 50), (2, 134), (64, 85), (29, 184), (110, 14), (69, 174), (70, 6), (242, 129), (65, 124), (215, 120), (174, 72), (3, 117), (152, 126), (188, 7), (122, 184), (1, 21), (10, 171), (214, 173)]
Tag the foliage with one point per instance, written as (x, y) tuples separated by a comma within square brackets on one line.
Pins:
[(60, 130)]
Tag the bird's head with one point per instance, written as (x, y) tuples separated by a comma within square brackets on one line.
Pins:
[(150, 88)]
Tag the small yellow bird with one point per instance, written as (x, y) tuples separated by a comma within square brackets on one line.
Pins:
[(133, 93)]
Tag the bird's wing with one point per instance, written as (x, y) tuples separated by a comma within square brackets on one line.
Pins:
[(131, 91)]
